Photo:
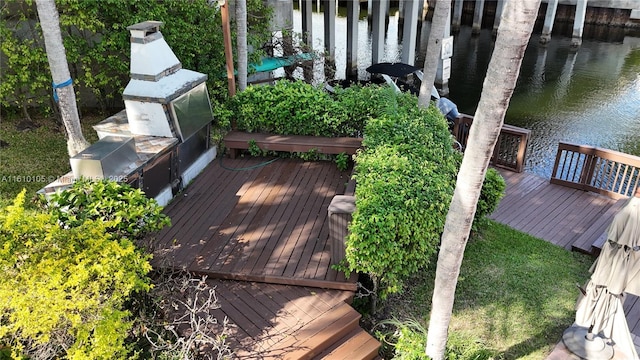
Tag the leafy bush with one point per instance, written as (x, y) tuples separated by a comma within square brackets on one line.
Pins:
[(63, 288), (356, 104), (288, 107), (126, 211), (342, 161), (492, 192), (297, 108), (405, 176)]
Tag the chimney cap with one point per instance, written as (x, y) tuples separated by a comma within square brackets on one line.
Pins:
[(145, 28)]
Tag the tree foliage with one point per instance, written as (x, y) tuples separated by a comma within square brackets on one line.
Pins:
[(98, 46), (24, 72)]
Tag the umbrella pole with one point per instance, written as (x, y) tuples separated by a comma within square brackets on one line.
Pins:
[(587, 345)]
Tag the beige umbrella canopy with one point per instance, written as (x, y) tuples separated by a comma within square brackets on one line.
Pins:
[(600, 321)]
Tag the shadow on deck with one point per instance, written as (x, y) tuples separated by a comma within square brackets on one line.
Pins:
[(259, 231)]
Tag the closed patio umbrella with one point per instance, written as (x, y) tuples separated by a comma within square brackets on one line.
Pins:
[(600, 321)]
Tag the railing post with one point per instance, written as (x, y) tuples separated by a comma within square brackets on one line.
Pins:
[(522, 151), (556, 163), (588, 167)]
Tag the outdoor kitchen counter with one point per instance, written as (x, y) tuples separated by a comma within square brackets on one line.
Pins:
[(148, 148)]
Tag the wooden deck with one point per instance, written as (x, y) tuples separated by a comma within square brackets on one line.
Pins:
[(573, 219), (259, 232), (264, 223)]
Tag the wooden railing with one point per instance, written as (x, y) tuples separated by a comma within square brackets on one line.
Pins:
[(607, 172), (511, 148)]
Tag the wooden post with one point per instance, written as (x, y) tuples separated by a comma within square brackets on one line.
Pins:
[(228, 51)]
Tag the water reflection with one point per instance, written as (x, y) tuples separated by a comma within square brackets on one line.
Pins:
[(589, 95)]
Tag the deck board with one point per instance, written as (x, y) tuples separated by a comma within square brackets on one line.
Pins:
[(239, 222), (243, 239), (272, 259)]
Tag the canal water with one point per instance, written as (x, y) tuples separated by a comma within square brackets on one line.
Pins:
[(588, 95)]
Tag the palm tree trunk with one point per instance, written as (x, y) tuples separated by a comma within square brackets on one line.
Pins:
[(50, 22), (513, 35), (434, 45), (241, 23)]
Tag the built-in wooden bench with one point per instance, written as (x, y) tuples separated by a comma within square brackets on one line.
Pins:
[(235, 141)]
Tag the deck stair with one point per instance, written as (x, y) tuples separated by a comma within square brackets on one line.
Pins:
[(334, 335), (357, 344)]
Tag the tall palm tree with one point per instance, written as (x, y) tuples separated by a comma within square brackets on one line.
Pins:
[(241, 27), (50, 23), (434, 44), (513, 35)]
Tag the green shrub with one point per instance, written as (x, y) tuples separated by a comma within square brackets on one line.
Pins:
[(492, 192), (126, 211), (63, 288), (288, 107), (355, 105), (342, 161), (297, 108), (405, 176)]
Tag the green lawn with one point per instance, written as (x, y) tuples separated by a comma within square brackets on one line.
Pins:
[(34, 157), (516, 293)]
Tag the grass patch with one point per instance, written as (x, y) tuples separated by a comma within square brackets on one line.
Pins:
[(516, 293), (35, 157)]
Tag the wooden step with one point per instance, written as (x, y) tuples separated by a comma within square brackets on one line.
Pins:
[(321, 333), (357, 345)]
